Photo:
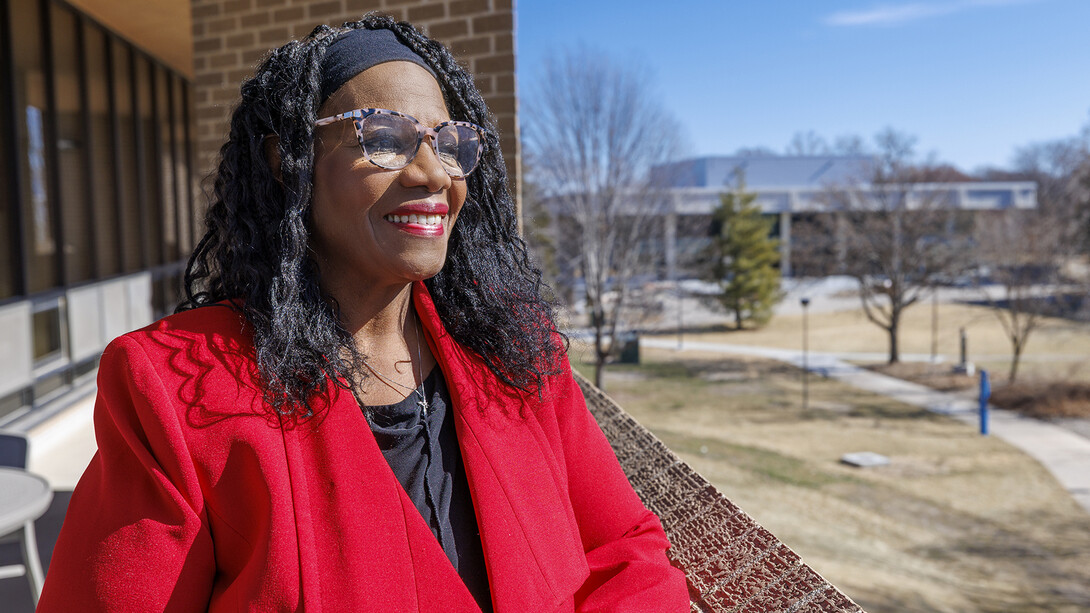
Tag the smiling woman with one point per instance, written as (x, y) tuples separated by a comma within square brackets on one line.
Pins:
[(366, 213), (363, 404)]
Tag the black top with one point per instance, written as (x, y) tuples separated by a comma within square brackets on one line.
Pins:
[(422, 449)]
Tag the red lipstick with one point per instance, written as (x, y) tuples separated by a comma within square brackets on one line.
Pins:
[(420, 219)]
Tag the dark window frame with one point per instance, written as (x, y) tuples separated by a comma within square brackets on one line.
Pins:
[(157, 224), (190, 157), (176, 178), (8, 114), (115, 145), (88, 162), (138, 148)]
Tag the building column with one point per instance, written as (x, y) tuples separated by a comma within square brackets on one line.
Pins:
[(785, 244), (841, 243)]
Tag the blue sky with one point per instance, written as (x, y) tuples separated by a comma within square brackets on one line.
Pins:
[(972, 79)]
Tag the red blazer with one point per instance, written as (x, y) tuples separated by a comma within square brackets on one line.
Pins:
[(198, 499)]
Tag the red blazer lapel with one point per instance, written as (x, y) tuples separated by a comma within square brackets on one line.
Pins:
[(356, 526), (531, 541)]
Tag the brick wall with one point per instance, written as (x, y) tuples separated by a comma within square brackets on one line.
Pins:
[(231, 36)]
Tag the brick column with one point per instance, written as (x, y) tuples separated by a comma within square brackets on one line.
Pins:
[(231, 36)]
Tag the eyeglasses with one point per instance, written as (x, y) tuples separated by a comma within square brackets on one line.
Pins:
[(390, 140)]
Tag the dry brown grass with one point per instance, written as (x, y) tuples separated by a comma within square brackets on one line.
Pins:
[(1058, 350), (1054, 374), (956, 521)]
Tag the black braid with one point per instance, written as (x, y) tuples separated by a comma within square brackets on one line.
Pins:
[(488, 294)]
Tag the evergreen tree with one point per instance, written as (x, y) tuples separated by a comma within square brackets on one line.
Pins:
[(744, 258)]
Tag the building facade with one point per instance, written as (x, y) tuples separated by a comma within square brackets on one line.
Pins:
[(113, 113), (790, 188)]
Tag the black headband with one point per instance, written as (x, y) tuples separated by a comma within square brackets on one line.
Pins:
[(357, 50)]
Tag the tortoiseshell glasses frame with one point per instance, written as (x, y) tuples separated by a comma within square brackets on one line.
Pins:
[(390, 139)]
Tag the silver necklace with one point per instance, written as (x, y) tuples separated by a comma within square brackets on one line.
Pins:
[(423, 402), (419, 390)]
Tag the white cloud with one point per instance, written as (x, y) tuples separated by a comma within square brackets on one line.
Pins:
[(897, 14)]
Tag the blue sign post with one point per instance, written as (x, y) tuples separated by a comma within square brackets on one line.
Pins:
[(985, 394)]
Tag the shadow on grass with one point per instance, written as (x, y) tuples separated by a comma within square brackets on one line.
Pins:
[(893, 413), (716, 328), (1058, 562), (1050, 552), (681, 368), (767, 464)]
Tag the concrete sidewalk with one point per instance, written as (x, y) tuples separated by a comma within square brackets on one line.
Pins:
[(1064, 453)]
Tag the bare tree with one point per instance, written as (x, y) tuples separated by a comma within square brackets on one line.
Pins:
[(807, 143), (849, 144), (537, 230), (812, 143), (1024, 252), (1061, 169), (892, 230), (758, 151), (592, 134)]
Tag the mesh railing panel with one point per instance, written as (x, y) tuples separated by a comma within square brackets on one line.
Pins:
[(730, 561)]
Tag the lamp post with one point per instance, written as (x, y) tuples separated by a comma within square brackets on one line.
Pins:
[(805, 302), (934, 325)]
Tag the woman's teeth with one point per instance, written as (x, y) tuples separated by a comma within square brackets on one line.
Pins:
[(424, 220)]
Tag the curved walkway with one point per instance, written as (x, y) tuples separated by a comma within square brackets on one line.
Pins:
[(1064, 453)]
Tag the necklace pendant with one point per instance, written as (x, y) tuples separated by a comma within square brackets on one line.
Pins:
[(423, 404)]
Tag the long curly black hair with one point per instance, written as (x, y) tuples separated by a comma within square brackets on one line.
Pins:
[(489, 294)]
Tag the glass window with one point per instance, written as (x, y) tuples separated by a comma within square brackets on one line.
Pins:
[(149, 152), (9, 259), (30, 108), (71, 148), (181, 166), (101, 183), (131, 235), (192, 219), (167, 204), (14, 402), (107, 247), (48, 386), (50, 341), (47, 333)]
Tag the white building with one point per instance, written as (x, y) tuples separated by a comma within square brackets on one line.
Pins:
[(791, 186)]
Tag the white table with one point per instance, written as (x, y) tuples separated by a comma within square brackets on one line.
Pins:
[(24, 497)]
